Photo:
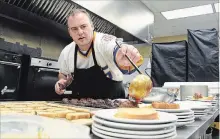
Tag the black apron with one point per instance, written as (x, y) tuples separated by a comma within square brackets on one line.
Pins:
[(93, 83)]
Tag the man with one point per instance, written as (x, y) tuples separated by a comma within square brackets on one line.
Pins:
[(93, 65)]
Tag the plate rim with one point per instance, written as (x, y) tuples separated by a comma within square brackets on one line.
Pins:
[(133, 136), (134, 121), (117, 130), (131, 126), (183, 120)]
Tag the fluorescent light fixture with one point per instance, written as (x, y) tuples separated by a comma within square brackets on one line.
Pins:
[(217, 7), (187, 12)]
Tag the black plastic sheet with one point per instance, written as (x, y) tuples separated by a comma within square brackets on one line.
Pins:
[(203, 55), (169, 62)]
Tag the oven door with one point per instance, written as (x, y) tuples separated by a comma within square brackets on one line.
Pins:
[(9, 80), (41, 84)]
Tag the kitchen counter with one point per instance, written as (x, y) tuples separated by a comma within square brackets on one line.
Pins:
[(198, 128), (195, 130)]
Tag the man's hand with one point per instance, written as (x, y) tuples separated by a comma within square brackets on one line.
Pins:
[(61, 85), (130, 51)]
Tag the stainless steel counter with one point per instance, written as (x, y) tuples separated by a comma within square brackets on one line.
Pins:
[(193, 131), (198, 128)]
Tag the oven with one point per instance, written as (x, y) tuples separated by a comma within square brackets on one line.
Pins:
[(10, 72), (42, 77)]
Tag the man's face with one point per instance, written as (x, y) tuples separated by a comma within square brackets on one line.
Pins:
[(80, 29)]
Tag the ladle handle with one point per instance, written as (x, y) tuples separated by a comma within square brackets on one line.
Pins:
[(130, 60)]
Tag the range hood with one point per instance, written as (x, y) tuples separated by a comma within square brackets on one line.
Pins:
[(130, 15), (50, 15)]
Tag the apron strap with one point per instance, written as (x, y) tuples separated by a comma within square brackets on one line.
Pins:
[(75, 55)]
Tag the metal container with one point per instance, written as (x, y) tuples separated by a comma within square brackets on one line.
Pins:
[(190, 90), (161, 95)]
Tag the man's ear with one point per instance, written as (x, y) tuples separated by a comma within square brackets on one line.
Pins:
[(69, 32), (92, 27)]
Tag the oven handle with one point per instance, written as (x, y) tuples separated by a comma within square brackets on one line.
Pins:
[(10, 63), (45, 69)]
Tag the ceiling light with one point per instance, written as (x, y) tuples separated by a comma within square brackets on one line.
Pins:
[(187, 12), (217, 7)]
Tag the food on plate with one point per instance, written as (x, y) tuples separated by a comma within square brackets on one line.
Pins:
[(165, 105), (207, 98), (137, 113), (140, 87), (77, 115), (83, 121), (197, 96)]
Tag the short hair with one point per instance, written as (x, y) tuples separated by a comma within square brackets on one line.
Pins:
[(75, 11)]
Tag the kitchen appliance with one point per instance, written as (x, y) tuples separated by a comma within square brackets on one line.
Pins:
[(42, 77), (190, 90), (10, 69)]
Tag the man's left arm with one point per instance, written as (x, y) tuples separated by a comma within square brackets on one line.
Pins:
[(112, 51)]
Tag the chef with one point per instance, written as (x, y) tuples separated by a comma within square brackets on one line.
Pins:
[(93, 65)]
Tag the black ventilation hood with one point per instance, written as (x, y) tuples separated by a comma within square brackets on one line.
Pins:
[(50, 16)]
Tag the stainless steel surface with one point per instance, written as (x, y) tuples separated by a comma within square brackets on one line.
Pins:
[(130, 15), (160, 94), (44, 63), (45, 69), (10, 63), (189, 90), (196, 129)]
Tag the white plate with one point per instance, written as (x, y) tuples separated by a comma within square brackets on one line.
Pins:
[(179, 124), (187, 119), (133, 136), (132, 132), (200, 108), (108, 114), (131, 126), (199, 116), (185, 116), (183, 113), (200, 113), (29, 124), (174, 110), (109, 137)]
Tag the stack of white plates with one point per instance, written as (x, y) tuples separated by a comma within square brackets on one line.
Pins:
[(200, 112), (199, 108), (214, 103), (185, 115), (105, 125)]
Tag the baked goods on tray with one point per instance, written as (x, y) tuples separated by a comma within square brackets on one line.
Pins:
[(46, 109), (137, 113), (100, 103), (165, 105)]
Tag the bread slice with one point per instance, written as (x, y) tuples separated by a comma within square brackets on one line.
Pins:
[(63, 113), (137, 113), (47, 114), (165, 105), (77, 115), (83, 121)]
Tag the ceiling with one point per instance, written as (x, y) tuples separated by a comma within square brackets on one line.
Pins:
[(164, 27)]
